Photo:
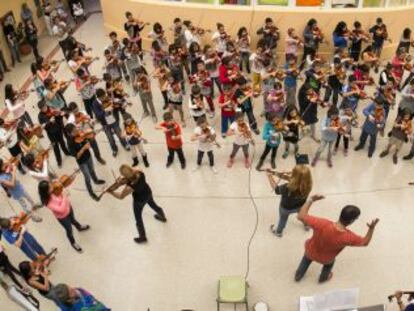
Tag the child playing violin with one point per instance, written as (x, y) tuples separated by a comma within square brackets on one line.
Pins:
[(272, 135), (212, 61), (52, 122), (275, 101), (290, 80), (308, 102), (244, 94), (336, 79), (85, 124), (227, 102), (112, 66), (242, 138), (400, 133), (162, 74), (172, 131), (293, 124), (374, 124), (197, 103), (203, 80), (29, 139), (16, 234), (351, 93), (54, 197), (9, 139), (206, 137), (293, 43), (330, 127), (142, 83), (79, 149), (175, 99), (134, 138), (347, 119), (9, 181), (243, 42), (38, 167)]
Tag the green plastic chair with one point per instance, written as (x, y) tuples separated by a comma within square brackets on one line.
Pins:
[(232, 289)]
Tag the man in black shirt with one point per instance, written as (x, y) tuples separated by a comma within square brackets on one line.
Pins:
[(379, 35), (52, 121), (80, 150)]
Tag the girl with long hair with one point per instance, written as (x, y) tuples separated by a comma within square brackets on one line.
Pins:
[(58, 202), (294, 193)]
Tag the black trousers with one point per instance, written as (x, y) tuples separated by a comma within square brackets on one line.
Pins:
[(95, 148), (338, 140), (7, 267), (138, 207), (210, 155), (171, 153), (88, 106), (33, 44), (58, 142), (67, 223), (266, 152), (15, 151)]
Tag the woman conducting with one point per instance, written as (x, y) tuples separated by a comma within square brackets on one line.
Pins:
[(293, 194), (134, 182)]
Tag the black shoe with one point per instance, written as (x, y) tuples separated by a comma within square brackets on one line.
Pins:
[(77, 248), (409, 156), (359, 147), (114, 153), (135, 161), (94, 196), (84, 228), (145, 159), (369, 155), (140, 240), (395, 159), (100, 182), (259, 165), (102, 161), (168, 164), (161, 218), (273, 163), (384, 154), (127, 148), (183, 166)]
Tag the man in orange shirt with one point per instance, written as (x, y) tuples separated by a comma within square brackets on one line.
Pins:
[(329, 238)]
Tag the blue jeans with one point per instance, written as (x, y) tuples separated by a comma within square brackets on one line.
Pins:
[(111, 130), (31, 247), (372, 141), (304, 265), (88, 171), (225, 123), (284, 216)]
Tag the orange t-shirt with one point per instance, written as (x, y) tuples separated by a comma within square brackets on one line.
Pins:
[(327, 241), (173, 143)]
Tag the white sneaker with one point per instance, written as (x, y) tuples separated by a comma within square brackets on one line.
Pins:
[(196, 168), (213, 169)]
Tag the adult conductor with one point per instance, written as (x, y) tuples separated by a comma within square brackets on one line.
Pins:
[(134, 182), (329, 238)]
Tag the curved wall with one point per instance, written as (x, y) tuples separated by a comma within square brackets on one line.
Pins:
[(234, 17)]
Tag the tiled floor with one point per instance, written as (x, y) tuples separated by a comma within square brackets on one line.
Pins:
[(210, 221)]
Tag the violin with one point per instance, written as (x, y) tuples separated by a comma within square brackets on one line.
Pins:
[(245, 132), (88, 134), (199, 31), (340, 73), (119, 182), (282, 175), (407, 126), (317, 33), (62, 182), (336, 123), (51, 112), (210, 137), (172, 128), (314, 97), (41, 156), (19, 221), (61, 85), (361, 34), (379, 115), (81, 118), (43, 261), (133, 130), (35, 130)]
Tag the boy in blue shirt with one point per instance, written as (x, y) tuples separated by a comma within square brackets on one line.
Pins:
[(374, 123)]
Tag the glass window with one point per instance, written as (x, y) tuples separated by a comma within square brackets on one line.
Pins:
[(274, 2), (235, 2), (345, 3), (374, 3)]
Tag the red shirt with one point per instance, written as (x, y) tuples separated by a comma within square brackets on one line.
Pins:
[(327, 241), (228, 110), (173, 143)]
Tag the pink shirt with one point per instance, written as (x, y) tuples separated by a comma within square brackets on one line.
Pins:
[(59, 205), (291, 46)]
